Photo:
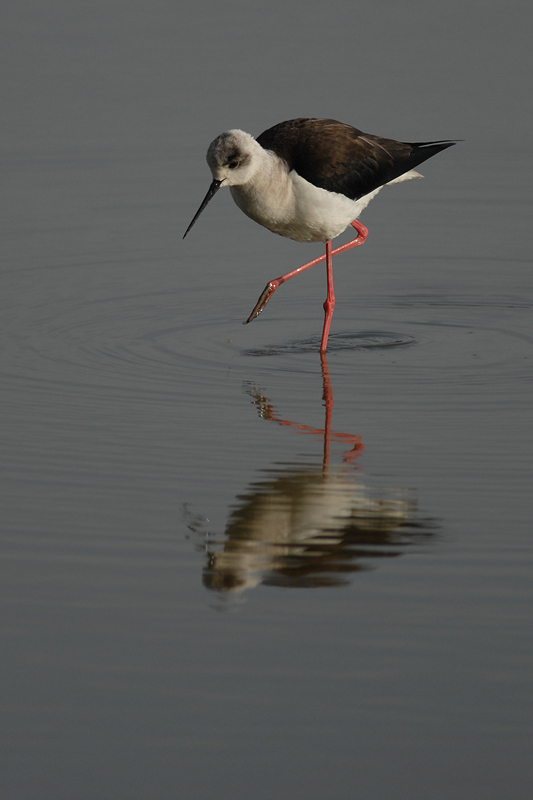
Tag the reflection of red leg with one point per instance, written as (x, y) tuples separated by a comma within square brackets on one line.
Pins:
[(358, 447), (327, 397), (271, 286), (267, 411)]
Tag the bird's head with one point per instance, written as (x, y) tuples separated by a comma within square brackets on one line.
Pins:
[(232, 163), (231, 157)]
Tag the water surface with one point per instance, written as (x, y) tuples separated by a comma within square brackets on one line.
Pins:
[(230, 568)]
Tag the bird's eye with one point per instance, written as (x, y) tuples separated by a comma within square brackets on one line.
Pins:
[(233, 164)]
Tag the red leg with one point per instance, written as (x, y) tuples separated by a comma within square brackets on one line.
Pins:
[(329, 303), (271, 286)]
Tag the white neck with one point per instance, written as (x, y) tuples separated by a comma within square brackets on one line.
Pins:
[(268, 196)]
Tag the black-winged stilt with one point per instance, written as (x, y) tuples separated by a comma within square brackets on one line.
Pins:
[(308, 179)]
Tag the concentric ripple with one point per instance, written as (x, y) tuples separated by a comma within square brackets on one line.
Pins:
[(165, 339), (339, 341)]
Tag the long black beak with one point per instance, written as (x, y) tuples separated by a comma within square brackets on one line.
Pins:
[(213, 189)]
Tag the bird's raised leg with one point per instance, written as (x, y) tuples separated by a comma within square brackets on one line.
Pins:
[(271, 286)]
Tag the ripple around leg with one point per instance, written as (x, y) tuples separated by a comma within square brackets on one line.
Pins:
[(364, 340), (157, 341)]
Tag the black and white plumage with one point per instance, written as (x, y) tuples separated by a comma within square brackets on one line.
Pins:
[(308, 179)]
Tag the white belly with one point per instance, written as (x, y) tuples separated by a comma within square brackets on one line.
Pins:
[(293, 207)]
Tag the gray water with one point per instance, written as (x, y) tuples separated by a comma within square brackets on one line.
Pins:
[(228, 569)]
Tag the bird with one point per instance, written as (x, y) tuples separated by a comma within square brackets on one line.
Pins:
[(308, 179)]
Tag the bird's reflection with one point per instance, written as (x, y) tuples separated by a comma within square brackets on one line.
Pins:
[(310, 526)]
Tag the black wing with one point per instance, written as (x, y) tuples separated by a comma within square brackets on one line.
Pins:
[(343, 159)]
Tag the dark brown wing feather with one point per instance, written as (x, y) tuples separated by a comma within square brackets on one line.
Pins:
[(343, 159)]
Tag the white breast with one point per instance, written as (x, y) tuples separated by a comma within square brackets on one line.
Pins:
[(290, 206)]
